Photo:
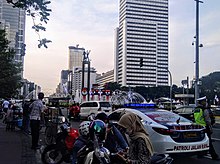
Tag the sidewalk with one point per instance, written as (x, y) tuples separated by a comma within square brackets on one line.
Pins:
[(15, 147)]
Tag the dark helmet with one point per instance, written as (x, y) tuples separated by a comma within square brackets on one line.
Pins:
[(102, 116), (98, 128)]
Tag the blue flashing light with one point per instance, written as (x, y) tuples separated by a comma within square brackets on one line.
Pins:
[(139, 105)]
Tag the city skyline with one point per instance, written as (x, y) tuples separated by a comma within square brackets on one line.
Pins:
[(91, 25)]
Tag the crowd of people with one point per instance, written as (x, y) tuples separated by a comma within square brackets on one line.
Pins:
[(127, 138)]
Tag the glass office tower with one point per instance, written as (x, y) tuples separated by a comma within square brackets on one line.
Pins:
[(141, 46), (13, 21)]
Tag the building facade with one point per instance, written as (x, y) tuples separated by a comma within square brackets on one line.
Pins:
[(104, 78), (77, 78), (64, 82), (75, 57), (142, 36), (13, 21)]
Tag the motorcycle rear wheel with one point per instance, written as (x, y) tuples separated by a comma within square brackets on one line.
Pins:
[(52, 155)]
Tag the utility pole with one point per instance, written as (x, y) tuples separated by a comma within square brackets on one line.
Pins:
[(197, 52), (171, 85)]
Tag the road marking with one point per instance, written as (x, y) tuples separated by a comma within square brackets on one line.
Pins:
[(216, 128), (207, 156), (215, 139)]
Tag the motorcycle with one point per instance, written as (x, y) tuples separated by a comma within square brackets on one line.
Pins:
[(94, 153), (61, 151)]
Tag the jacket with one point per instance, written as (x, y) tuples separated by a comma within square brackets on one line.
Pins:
[(115, 141)]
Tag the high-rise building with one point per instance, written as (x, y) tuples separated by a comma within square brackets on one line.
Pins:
[(104, 78), (75, 57), (64, 82), (141, 47), (13, 21)]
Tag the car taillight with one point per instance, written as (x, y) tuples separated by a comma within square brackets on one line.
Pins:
[(163, 131)]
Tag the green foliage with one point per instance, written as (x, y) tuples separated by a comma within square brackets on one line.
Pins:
[(112, 86), (35, 9), (43, 42), (10, 78), (211, 85)]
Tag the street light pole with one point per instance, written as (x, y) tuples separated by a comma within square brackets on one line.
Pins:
[(171, 104), (197, 53)]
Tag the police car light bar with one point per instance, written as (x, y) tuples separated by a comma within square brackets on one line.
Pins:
[(139, 105)]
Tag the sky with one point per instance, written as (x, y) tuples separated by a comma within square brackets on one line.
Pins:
[(91, 24)]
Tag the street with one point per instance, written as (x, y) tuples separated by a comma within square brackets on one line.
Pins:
[(192, 159)]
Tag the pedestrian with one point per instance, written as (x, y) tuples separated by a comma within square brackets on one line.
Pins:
[(202, 117), (10, 119), (5, 105), (36, 108), (26, 116), (140, 146)]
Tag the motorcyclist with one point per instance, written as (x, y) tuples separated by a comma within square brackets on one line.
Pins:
[(97, 135), (82, 140), (114, 141)]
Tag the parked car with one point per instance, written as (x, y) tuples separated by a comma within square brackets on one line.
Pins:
[(216, 111), (169, 132), (88, 108), (187, 112)]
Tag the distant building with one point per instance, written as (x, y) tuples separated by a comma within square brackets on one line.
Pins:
[(77, 78), (30, 89), (104, 78), (64, 82), (75, 57), (142, 36), (13, 21)]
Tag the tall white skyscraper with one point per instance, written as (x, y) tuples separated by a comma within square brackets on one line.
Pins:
[(142, 35), (13, 21), (75, 57)]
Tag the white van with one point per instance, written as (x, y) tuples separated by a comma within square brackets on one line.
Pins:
[(88, 108)]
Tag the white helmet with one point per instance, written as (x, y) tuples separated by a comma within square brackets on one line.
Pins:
[(84, 128)]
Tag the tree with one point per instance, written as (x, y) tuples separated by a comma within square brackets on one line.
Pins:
[(10, 77), (35, 9), (210, 85), (112, 86)]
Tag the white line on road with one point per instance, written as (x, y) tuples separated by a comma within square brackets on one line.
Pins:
[(215, 139), (216, 129)]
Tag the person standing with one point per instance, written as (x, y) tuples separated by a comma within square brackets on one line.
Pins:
[(140, 146), (202, 117), (26, 116), (5, 105), (36, 108)]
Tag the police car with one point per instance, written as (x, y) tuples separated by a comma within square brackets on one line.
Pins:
[(169, 132)]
